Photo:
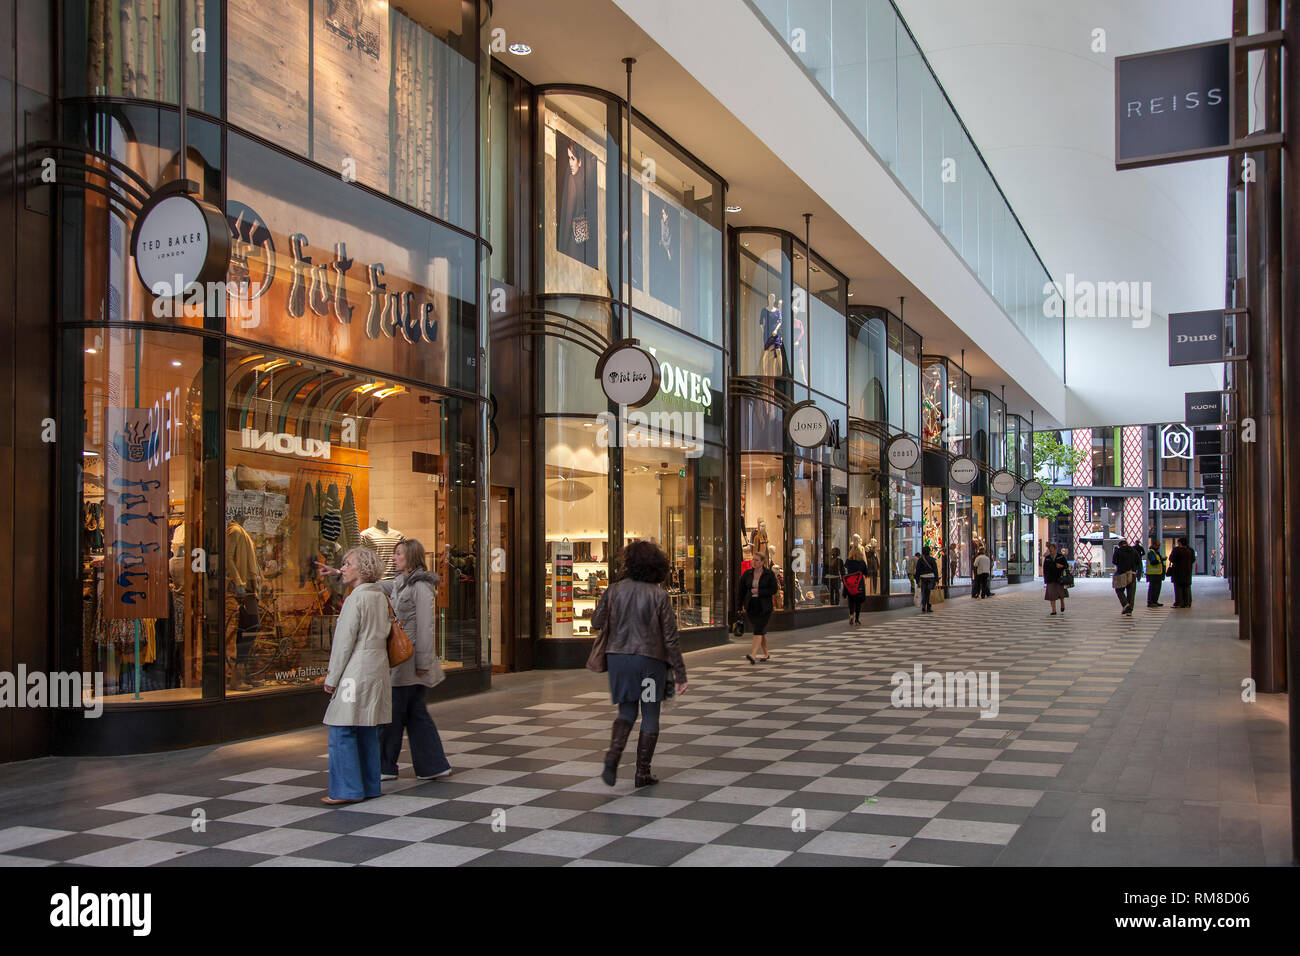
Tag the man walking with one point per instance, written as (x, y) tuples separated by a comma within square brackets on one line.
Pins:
[(983, 567), (1125, 580), (1155, 573), (1182, 563)]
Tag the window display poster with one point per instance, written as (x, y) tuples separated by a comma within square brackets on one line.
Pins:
[(563, 586), (665, 251), (576, 203), (135, 528)]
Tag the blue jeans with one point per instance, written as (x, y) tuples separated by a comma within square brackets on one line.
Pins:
[(354, 763), (412, 716)]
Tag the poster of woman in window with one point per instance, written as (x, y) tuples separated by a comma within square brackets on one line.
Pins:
[(665, 251), (575, 201)]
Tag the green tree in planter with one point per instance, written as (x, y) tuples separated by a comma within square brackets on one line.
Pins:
[(1051, 458)]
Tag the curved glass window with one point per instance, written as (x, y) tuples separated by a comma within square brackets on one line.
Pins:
[(867, 375), (763, 325), (934, 403)]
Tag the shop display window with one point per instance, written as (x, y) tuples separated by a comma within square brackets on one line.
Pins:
[(829, 356), (961, 554), (385, 95), (906, 522), (867, 368), (979, 530), (324, 268), (675, 231), (958, 433), (764, 328), (1025, 530), (934, 528), (577, 497), (762, 511), (141, 529), (934, 403), (1001, 521), (911, 382), (864, 514), (100, 280), (580, 243), (675, 499), (809, 545), (760, 424), (319, 462)]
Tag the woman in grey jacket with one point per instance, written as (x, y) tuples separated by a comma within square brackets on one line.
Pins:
[(641, 654), (411, 593), (358, 683)]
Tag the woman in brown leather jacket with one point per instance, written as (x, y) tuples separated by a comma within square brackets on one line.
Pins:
[(640, 629)]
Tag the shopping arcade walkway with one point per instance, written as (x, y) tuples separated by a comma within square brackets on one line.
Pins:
[(1142, 718)]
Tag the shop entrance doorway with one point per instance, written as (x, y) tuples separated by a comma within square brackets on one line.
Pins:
[(502, 633)]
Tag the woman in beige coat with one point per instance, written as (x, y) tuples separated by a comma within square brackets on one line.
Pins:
[(358, 682)]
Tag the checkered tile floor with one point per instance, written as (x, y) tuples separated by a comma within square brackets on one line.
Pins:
[(745, 757)]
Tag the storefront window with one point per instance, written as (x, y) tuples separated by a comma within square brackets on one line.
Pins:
[(867, 368), (321, 461), (905, 529), (100, 280), (979, 537), (579, 239), (979, 427), (675, 498), (911, 382), (1025, 529), (691, 379), (763, 306), (383, 96), (675, 215), (897, 384), (762, 510), (142, 486), (960, 528), (808, 554), (934, 403), (326, 269), (958, 432), (1000, 523), (933, 528), (865, 522), (577, 525), (836, 511), (997, 435)]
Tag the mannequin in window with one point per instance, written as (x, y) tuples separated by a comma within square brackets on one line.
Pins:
[(873, 567), (758, 540), (772, 362), (244, 586), (383, 540)]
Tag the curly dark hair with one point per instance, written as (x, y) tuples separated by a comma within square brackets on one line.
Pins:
[(645, 561)]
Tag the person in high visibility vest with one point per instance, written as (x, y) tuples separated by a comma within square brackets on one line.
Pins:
[(1155, 573)]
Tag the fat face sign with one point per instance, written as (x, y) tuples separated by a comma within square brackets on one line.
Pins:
[(1173, 105)]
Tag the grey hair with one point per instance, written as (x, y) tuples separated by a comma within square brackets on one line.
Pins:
[(368, 569)]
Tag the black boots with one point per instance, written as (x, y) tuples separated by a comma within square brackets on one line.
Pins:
[(617, 741), (645, 750)]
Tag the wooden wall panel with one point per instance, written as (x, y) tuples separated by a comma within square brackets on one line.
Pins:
[(267, 72)]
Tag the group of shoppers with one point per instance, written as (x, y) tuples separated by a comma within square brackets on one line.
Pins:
[(372, 704), (1131, 562)]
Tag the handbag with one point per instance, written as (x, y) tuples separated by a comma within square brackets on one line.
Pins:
[(400, 648), (596, 659), (853, 583), (581, 230), (1067, 578), (738, 628)]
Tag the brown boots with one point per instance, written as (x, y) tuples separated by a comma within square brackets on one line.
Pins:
[(645, 750), (617, 741)]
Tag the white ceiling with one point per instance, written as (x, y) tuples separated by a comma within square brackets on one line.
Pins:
[(1039, 103)]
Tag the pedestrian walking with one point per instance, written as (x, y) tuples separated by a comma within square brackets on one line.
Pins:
[(757, 586), (1053, 589), (412, 596), (855, 580), (927, 573), (1155, 573), (983, 568), (359, 683), (1124, 580), (1182, 564), (638, 627)]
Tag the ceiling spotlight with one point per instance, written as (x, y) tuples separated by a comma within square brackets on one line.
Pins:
[(90, 351), (850, 295), (520, 49), (733, 209), (176, 363)]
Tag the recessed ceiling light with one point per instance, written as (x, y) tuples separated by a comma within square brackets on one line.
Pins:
[(90, 351), (520, 49), (850, 295), (733, 209), (176, 363)]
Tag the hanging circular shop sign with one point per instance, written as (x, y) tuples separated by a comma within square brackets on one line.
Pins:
[(1031, 490), (807, 425), (177, 241), (628, 374), (902, 452), (963, 471), (1003, 483)]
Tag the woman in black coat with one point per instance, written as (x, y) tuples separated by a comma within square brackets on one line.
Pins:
[(856, 565), (757, 585)]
